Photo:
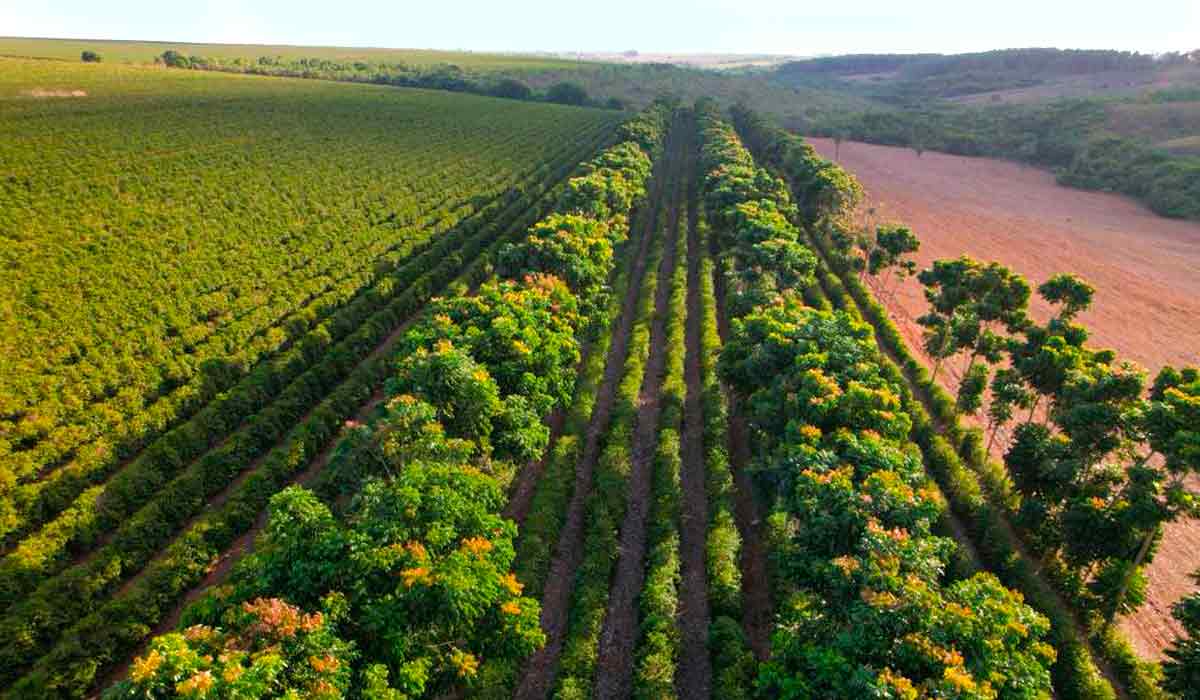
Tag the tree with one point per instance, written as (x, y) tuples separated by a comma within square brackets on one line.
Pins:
[(262, 648), (1181, 670), (1009, 392), (89, 57), (173, 59), (892, 244), (970, 391), (512, 89), (969, 303), (1171, 424), (1070, 292), (567, 94)]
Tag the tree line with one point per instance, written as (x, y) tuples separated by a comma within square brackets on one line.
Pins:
[(447, 76)]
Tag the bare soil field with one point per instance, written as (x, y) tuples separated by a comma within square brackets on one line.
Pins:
[(1146, 270)]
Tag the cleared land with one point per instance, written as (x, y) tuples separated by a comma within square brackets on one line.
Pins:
[(1143, 266)]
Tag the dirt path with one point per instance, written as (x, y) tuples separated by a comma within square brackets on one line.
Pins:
[(756, 583), (521, 495), (618, 637), (542, 668), (693, 677), (1143, 266)]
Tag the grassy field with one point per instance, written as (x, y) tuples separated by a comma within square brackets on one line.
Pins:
[(146, 51), (634, 84)]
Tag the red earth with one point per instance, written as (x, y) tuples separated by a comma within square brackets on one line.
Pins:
[(1146, 270)]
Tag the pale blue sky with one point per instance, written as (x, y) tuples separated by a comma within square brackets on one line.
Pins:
[(743, 26)]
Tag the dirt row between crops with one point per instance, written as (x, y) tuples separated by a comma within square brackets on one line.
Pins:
[(1143, 266), (542, 667), (757, 608), (619, 634), (693, 677), (520, 497)]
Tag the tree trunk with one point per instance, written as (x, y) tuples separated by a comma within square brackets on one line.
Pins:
[(1033, 409), (1137, 562)]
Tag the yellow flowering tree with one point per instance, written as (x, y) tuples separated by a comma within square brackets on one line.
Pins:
[(262, 648)]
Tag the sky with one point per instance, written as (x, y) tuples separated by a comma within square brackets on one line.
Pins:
[(793, 27)]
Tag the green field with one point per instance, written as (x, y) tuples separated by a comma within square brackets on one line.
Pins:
[(633, 84), (191, 262), (312, 388), (147, 51)]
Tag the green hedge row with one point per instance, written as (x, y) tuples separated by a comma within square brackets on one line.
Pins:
[(606, 503), (657, 651), (733, 664)]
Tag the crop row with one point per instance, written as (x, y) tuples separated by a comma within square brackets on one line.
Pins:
[(978, 488), (35, 620), (733, 666), (473, 382), (262, 239), (658, 645), (144, 480), (864, 602), (103, 509), (606, 502)]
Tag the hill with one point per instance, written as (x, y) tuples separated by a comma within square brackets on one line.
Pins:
[(1104, 120)]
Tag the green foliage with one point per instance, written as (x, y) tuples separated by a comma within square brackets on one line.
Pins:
[(88, 56), (567, 94), (970, 390), (115, 627), (1182, 669), (423, 562), (151, 367), (858, 571), (512, 89), (263, 648), (1069, 292), (892, 243)]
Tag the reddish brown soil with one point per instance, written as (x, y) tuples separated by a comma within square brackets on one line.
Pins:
[(520, 496), (693, 677), (542, 668), (1143, 266)]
